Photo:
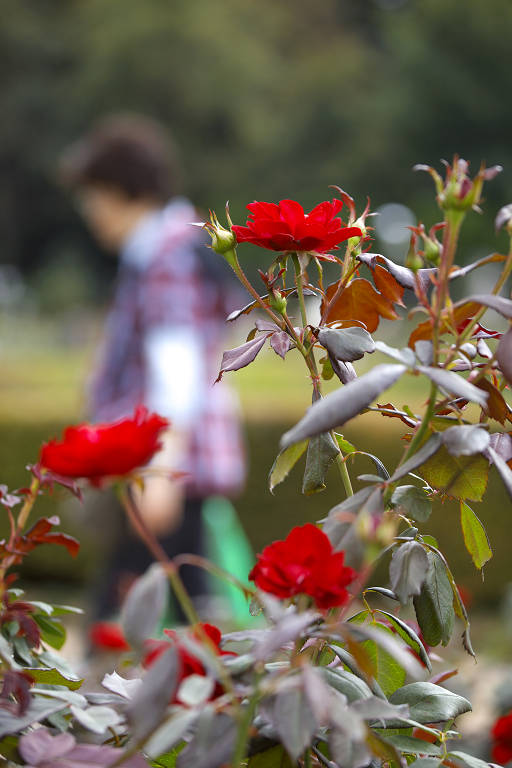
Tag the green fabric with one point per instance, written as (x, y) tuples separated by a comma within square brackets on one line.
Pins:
[(228, 547)]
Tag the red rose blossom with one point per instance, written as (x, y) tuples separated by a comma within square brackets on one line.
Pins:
[(502, 736), (104, 450), (190, 664), (304, 563), (285, 227), (106, 635)]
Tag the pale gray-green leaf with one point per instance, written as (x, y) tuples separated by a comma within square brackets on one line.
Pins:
[(430, 703), (144, 605), (342, 405), (407, 570), (413, 501)]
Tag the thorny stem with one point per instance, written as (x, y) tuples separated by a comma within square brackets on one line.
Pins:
[(468, 331), (309, 357), (215, 570), (425, 422), (240, 752), (300, 289), (27, 506), (254, 293), (451, 235), (344, 474), (172, 572), (160, 555), (20, 525)]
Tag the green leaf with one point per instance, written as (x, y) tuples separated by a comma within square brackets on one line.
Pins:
[(344, 445), (429, 703), (345, 682), (168, 760), (475, 537), (434, 604), (389, 674), (460, 477), (275, 757), (407, 570), (52, 632), (284, 462), (409, 636), (414, 502), (54, 677), (426, 762), (468, 760), (8, 748), (412, 746), (322, 450)]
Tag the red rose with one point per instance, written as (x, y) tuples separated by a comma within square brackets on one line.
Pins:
[(190, 664), (108, 636), (285, 227), (304, 563), (502, 735), (104, 450)]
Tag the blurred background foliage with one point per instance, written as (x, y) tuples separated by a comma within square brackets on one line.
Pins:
[(266, 100)]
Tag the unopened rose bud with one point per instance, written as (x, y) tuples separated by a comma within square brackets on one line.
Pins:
[(458, 192), (277, 301), (413, 260), (432, 251), (223, 240)]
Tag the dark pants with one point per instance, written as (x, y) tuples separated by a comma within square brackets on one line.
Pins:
[(130, 558)]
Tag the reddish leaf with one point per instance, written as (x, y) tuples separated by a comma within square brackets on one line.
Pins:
[(450, 322), (17, 685), (359, 303), (41, 533), (496, 406), (281, 343), (388, 409), (48, 478), (387, 285)]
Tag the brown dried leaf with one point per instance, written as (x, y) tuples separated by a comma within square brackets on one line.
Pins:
[(359, 303), (387, 285)]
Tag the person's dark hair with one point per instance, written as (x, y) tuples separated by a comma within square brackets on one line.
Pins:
[(130, 153)]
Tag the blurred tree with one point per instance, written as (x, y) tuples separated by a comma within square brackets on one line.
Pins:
[(266, 99)]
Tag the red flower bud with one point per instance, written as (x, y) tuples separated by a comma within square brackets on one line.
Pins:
[(108, 636)]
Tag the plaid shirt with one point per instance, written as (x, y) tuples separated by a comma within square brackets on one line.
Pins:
[(168, 279)]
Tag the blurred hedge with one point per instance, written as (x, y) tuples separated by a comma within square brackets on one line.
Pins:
[(264, 516)]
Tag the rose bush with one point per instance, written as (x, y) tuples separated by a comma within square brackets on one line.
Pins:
[(339, 671)]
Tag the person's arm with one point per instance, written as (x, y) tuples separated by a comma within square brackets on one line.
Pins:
[(175, 384)]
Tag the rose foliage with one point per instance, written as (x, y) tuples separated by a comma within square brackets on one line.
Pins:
[(332, 669)]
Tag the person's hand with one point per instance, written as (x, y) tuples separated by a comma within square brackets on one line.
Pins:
[(160, 503), (161, 500)]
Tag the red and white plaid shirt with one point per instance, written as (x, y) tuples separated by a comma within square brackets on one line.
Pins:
[(171, 287)]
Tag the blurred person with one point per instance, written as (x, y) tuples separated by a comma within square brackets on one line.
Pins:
[(162, 338)]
